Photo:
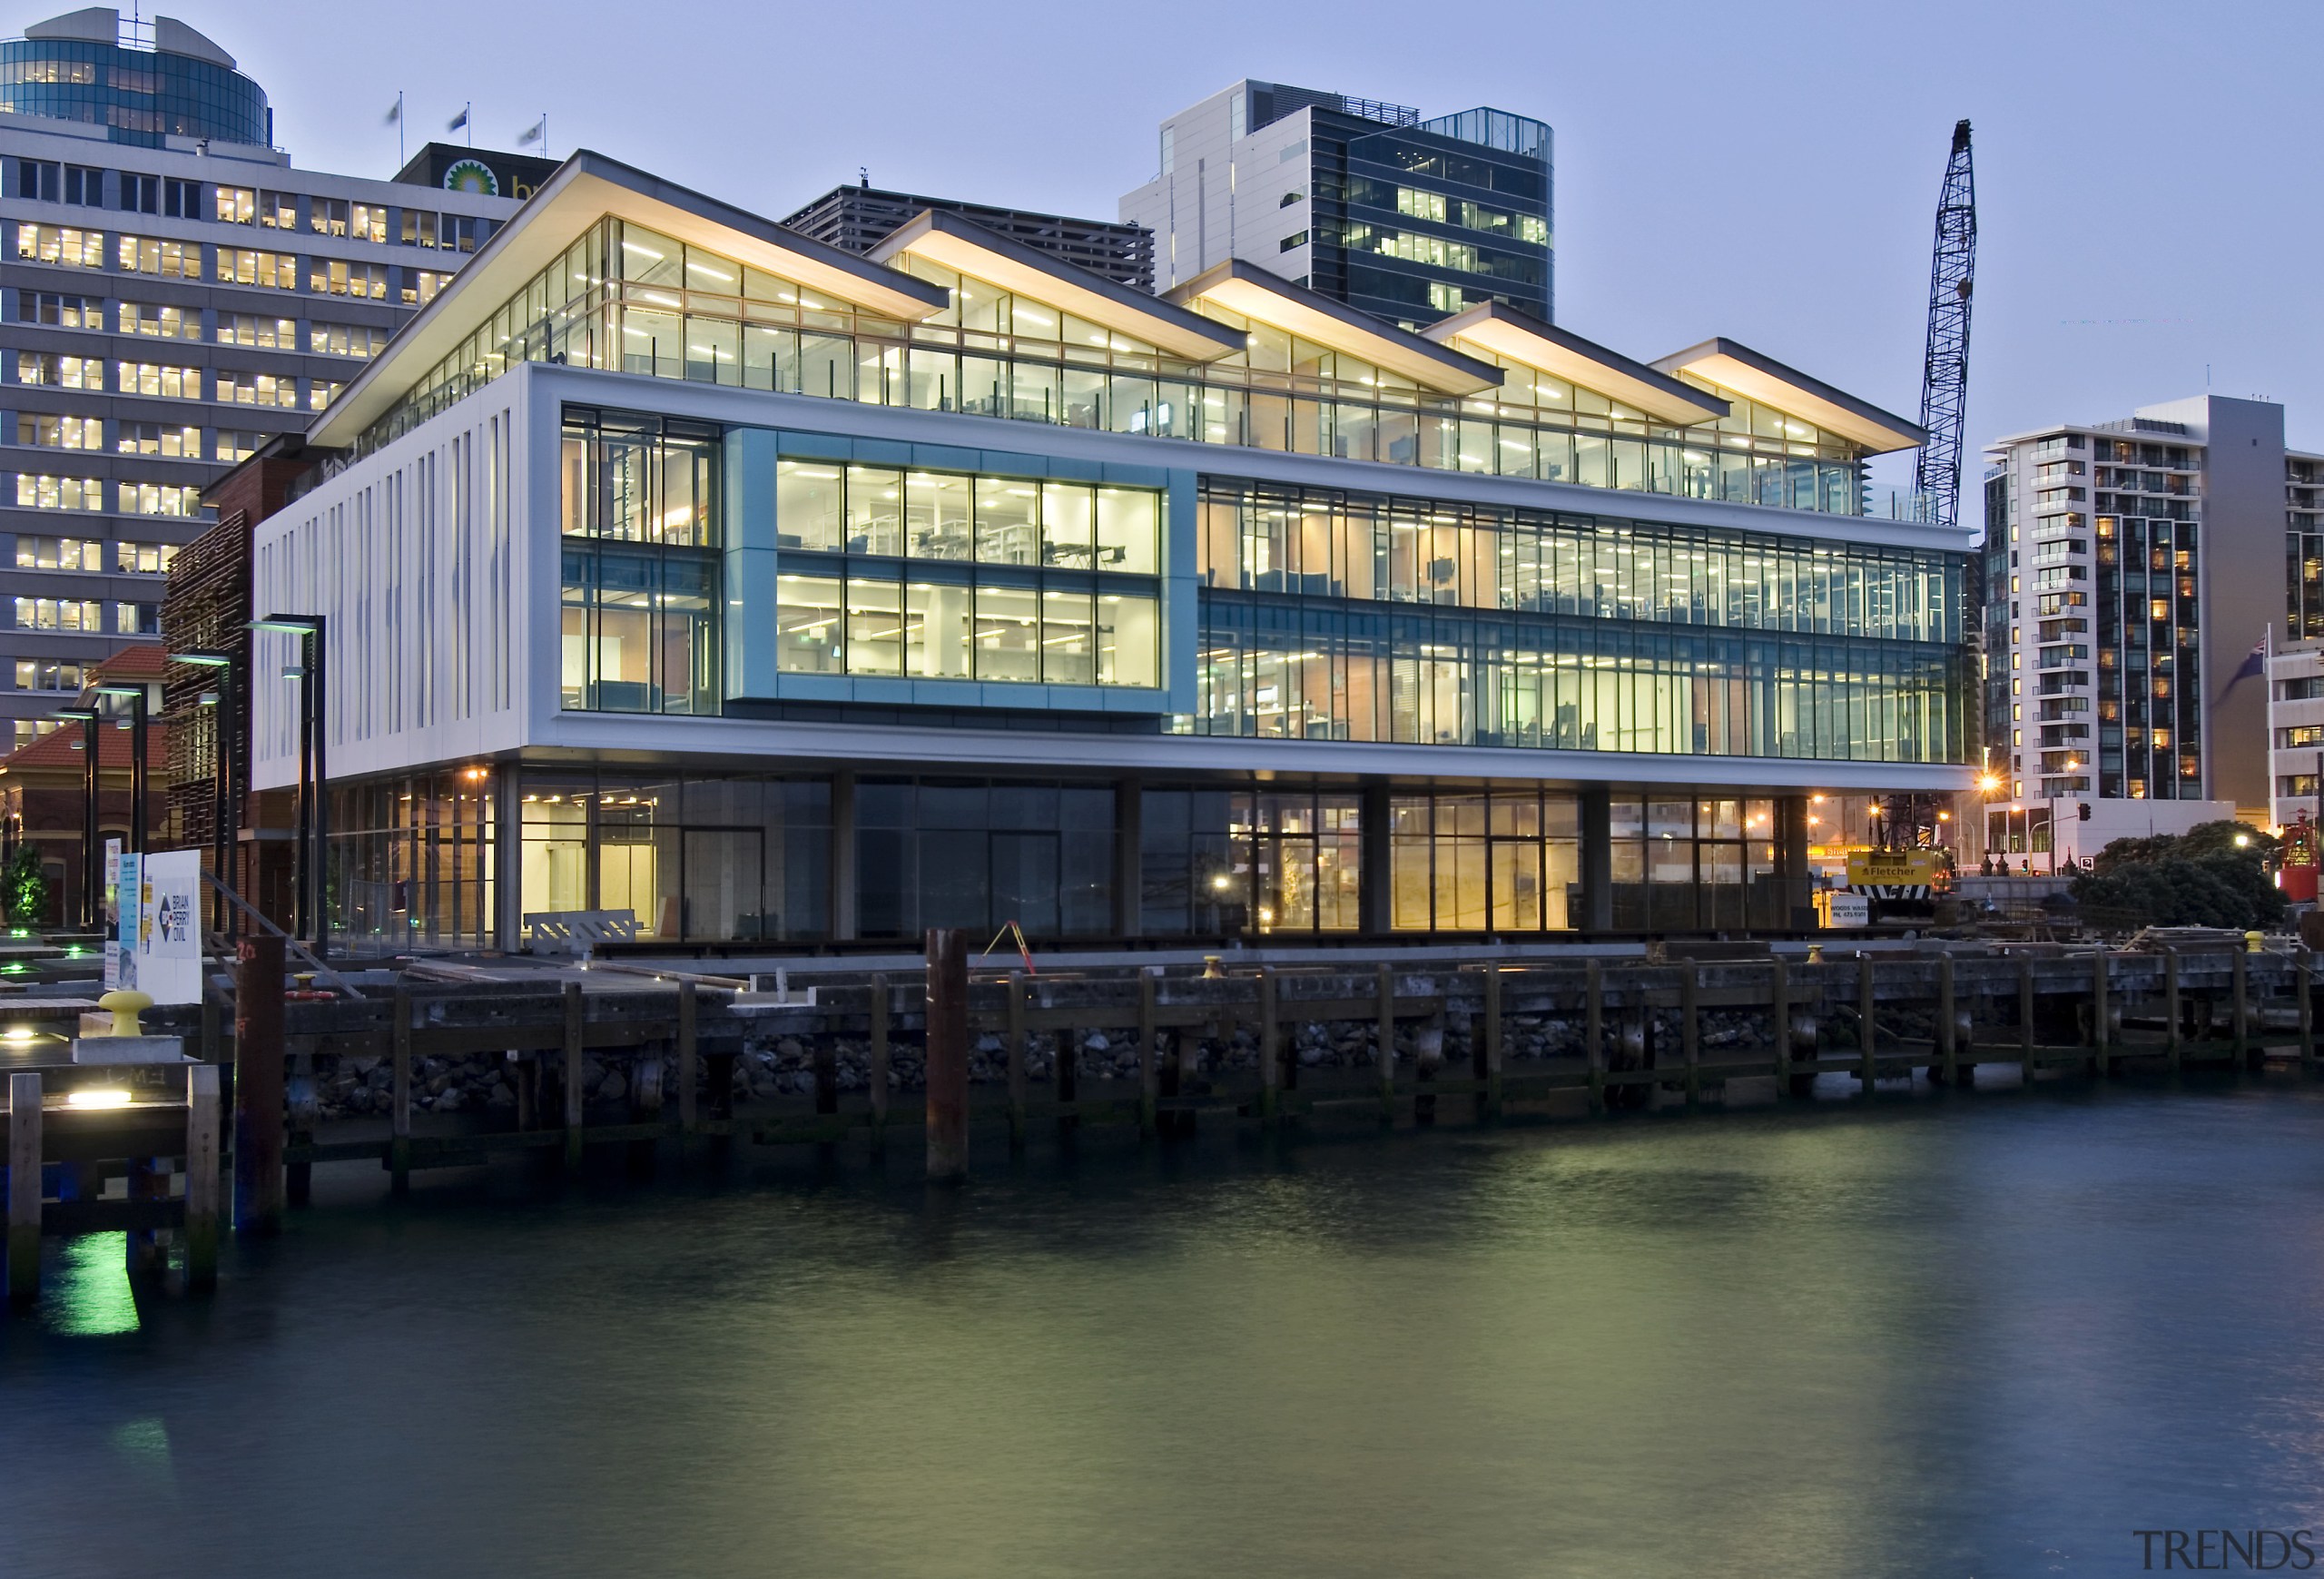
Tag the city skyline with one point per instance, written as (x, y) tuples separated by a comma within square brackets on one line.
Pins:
[(2084, 304)]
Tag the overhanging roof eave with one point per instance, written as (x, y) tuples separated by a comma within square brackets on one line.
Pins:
[(955, 242), (1244, 288), (1521, 337), (1736, 366), (587, 187)]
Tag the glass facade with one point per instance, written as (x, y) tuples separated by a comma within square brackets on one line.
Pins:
[(140, 95), (411, 862), (709, 856), (883, 571), (982, 854), (1589, 634), (936, 575), (1681, 864), (641, 572), (694, 857), (1324, 614), (1501, 861), (1292, 860), (626, 298), (1424, 220)]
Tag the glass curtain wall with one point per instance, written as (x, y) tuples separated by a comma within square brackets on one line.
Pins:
[(1310, 669), (626, 298), (1280, 859), (710, 858), (1323, 543), (892, 571), (982, 854), (410, 864), (1687, 864), (1500, 861), (1575, 640), (640, 631)]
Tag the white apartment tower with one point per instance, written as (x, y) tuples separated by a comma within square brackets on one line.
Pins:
[(2134, 570)]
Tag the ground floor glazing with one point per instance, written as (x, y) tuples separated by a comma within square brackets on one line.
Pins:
[(462, 856)]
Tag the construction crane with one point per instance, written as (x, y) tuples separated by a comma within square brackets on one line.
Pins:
[(1944, 370)]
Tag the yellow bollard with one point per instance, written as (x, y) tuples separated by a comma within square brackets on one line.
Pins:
[(126, 1003), (2251, 942)]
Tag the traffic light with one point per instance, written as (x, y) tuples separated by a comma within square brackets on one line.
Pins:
[(2081, 810)]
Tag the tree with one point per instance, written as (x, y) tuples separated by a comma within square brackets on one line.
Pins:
[(24, 887), (2214, 875)]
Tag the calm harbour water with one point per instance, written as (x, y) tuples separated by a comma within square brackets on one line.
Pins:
[(1936, 1336)]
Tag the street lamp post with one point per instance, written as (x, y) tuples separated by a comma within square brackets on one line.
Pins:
[(138, 773), (92, 871), (313, 810), (226, 714), (1987, 784), (2073, 764)]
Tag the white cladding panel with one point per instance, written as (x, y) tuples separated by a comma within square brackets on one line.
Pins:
[(421, 559)]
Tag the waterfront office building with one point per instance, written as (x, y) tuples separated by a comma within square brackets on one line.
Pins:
[(1366, 202), (674, 563), (172, 293), (2131, 568)]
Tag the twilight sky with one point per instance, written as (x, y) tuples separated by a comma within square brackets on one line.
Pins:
[(2146, 183)]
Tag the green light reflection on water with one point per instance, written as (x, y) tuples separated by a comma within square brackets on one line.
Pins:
[(143, 1448), (92, 1297)]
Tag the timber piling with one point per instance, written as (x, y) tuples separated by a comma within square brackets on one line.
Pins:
[(1280, 1045)]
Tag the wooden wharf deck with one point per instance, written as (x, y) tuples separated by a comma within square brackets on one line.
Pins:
[(1606, 1036)]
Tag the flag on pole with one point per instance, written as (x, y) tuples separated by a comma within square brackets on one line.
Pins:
[(459, 119), (537, 133), (395, 112), (2254, 664)]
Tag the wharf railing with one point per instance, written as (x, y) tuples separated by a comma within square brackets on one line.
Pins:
[(1272, 1045)]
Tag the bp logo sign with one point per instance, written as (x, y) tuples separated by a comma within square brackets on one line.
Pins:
[(471, 175)]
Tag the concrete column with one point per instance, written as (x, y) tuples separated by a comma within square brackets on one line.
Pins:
[(508, 859), (1375, 880), (1791, 860), (1597, 860), (842, 854), (1129, 827)]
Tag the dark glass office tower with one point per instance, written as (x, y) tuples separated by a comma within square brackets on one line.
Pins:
[(144, 82), (1413, 220)]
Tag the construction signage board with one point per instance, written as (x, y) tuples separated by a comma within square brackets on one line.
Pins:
[(168, 943)]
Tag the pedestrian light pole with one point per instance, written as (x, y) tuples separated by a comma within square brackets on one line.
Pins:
[(311, 885), (92, 869), (225, 703), (139, 777)]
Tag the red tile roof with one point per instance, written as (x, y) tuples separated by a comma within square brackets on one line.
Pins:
[(134, 662), (60, 748)]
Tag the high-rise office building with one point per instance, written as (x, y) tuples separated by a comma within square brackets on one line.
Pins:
[(1366, 202), (174, 292), (2134, 568)]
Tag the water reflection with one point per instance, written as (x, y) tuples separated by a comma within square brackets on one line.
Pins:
[(91, 1297), (1983, 1336)]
